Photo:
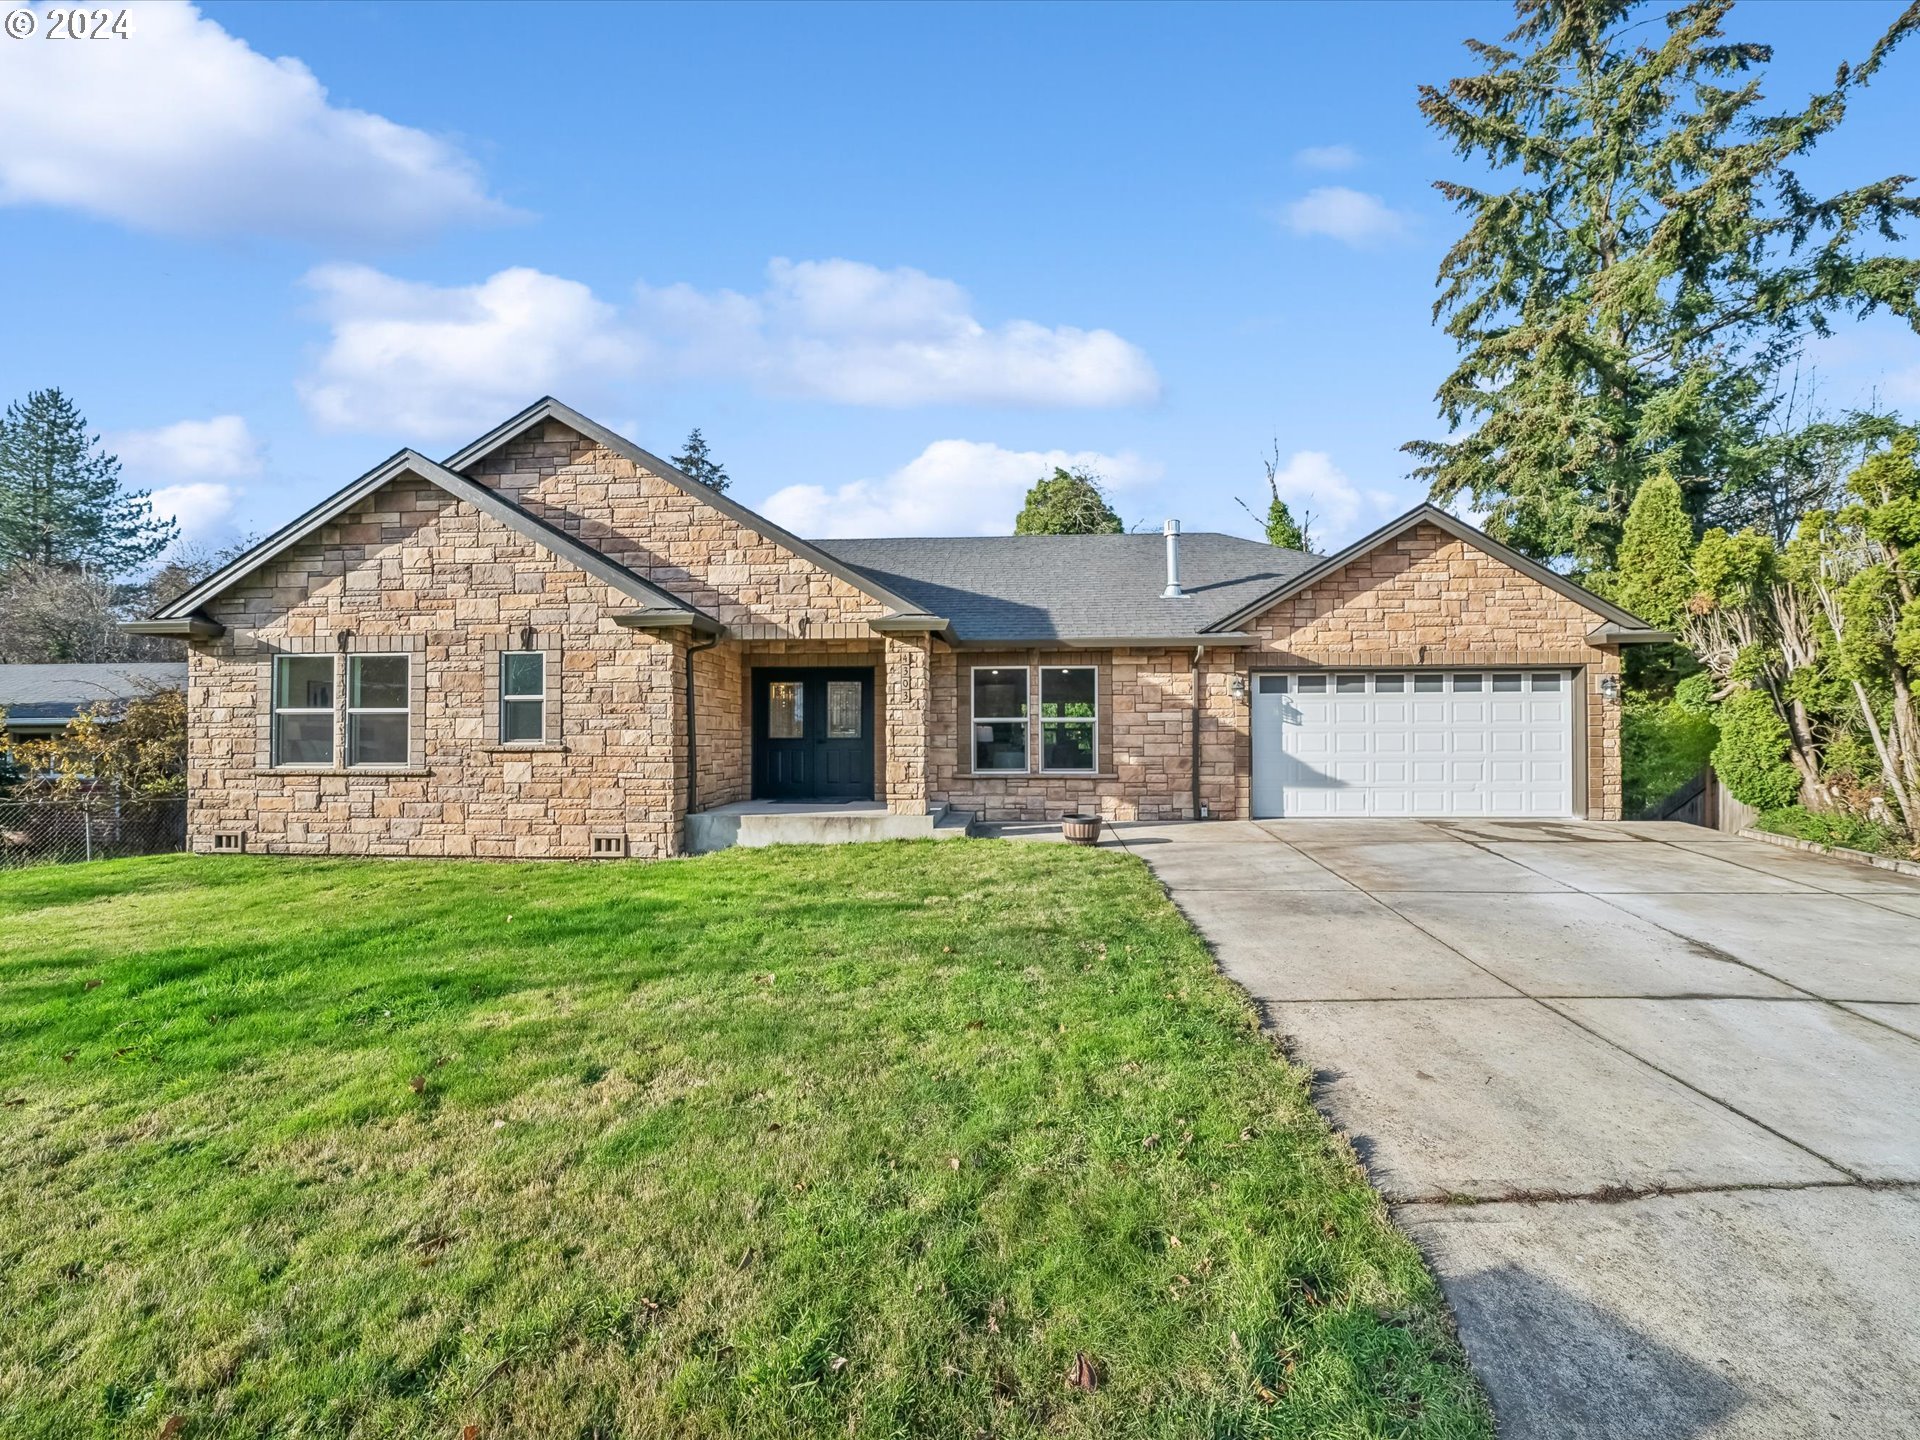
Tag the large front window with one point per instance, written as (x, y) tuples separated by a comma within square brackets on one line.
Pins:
[(377, 710), (303, 710), (1069, 717), (1000, 718)]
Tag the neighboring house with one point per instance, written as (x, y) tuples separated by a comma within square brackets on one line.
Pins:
[(39, 700), (552, 643)]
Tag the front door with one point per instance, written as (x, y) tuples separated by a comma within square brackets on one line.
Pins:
[(813, 734)]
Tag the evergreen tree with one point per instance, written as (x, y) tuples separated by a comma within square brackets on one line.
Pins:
[(1624, 307), (1655, 575), (61, 505), (697, 463), (1067, 502)]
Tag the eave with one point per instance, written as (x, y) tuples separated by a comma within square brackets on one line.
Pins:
[(184, 627)]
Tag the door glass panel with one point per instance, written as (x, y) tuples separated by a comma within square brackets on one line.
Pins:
[(1313, 685), (1466, 682), (843, 709), (786, 710), (1429, 684), (1350, 685), (1548, 681), (1506, 684), (1389, 684), (1273, 684)]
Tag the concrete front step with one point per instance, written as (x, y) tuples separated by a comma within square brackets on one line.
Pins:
[(758, 823)]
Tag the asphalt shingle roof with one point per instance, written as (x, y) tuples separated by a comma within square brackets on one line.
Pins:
[(1021, 588), (59, 692)]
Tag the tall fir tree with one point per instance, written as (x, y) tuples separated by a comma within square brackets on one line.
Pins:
[(697, 463), (1067, 502), (61, 505), (1624, 307)]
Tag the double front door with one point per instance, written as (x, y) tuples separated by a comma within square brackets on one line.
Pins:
[(813, 734)]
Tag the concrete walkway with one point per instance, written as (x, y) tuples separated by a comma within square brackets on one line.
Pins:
[(1647, 1096)]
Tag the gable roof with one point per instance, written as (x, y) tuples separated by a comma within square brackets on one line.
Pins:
[(653, 600), (1623, 620), (548, 408), (1036, 589)]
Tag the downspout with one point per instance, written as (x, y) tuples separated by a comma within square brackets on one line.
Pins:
[(693, 756), (1194, 727)]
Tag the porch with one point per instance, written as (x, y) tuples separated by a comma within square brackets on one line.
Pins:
[(754, 823)]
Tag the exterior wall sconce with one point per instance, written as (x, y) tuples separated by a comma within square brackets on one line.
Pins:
[(1610, 689), (1238, 689)]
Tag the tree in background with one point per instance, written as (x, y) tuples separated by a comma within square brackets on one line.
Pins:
[(1278, 523), (1067, 502), (696, 462), (110, 754), (61, 506), (1626, 306), (51, 615), (1653, 577)]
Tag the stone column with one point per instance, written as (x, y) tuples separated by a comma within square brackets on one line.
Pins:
[(909, 666)]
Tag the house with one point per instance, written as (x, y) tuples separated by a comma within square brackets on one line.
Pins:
[(39, 700), (551, 643)]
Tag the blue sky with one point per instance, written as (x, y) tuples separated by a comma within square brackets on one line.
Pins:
[(891, 260)]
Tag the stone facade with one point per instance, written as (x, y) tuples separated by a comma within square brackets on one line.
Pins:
[(416, 572)]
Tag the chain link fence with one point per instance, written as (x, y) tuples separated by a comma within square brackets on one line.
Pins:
[(57, 832)]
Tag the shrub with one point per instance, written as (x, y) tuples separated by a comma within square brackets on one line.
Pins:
[(1663, 745), (1835, 827), (1751, 757)]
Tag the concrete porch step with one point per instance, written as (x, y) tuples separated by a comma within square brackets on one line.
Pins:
[(756, 823)]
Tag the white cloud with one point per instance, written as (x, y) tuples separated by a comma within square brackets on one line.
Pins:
[(1903, 386), (434, 360), (222, 448), (953, 487), (185, 129), (1312, 484), (1327, 157), (1346, 215), (429, 360), (202, 507)]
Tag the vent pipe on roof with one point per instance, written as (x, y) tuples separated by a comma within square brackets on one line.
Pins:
[(1173, 590)]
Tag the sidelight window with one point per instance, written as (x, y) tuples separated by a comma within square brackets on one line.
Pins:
[(1000, 718)]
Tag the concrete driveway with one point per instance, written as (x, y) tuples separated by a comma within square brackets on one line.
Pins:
[(1647, 1096)]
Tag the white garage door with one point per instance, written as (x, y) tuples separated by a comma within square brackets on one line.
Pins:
[(1413, 742)]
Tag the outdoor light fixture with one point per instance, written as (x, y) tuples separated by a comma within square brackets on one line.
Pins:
[(1610, 689), (1238, 689)]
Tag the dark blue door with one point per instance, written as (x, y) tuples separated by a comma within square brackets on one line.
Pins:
[(813, 734)]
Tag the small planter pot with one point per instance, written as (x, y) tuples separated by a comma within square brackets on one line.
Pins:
[(1081, 829)]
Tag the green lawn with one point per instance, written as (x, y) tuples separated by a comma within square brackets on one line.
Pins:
[(848, 1141)]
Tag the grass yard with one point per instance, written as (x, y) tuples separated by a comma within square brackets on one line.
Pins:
[(845, 1141)]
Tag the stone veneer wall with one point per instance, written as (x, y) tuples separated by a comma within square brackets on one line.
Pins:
[(413, 570)]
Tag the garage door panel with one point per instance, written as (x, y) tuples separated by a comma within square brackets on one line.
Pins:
[(1422, 743)]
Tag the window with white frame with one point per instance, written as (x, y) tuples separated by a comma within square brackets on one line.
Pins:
[(1069, 717), (377, 709), (523, 697), (303, 709), (1000, 718)]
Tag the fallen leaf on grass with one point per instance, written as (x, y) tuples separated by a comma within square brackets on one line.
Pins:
[(1082, 1376), (172, 1426), (95, 985), (419, 1083)]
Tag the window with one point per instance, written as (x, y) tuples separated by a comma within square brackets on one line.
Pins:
[(843, 709), (1273, 684), (1311, 685), (376, 710), (1429, 684), (1462, 683), (786, 710), (1069, 717), (1507, 684), (303, 710), (1389, 684), (1350, 685), (523, 697), (1548, 681), (999, 718)]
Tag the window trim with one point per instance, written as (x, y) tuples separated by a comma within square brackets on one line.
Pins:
[(1025, 722), (275, 710), (350, 710), (502, 699), (1092, 722)]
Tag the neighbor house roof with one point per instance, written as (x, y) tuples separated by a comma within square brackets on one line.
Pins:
[(657, 606), (54, 694), (1036, 589)]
